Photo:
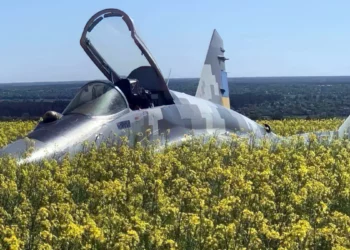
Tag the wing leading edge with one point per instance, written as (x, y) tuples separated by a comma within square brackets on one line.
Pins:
[(213, 84), (343, 132)]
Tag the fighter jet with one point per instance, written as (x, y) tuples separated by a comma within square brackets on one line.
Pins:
[(136, 100)]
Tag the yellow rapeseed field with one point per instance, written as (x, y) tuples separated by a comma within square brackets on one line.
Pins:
[(196, 196)]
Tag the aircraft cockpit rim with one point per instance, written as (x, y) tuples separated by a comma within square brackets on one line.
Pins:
[(111, 85)]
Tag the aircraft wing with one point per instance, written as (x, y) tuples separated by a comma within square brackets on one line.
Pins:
[(325, 136)]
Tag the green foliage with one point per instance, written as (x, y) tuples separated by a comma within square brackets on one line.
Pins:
[(11, 130), (195, 196)]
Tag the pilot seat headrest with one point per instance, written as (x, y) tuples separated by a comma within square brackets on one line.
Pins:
[(124, 86)]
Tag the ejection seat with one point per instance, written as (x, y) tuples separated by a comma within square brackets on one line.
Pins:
[(138, 97)]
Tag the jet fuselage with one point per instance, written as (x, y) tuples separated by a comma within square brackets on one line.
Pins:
[(189, 115)]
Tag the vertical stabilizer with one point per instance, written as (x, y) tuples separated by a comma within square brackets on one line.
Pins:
[(213, 84), (344, 129)]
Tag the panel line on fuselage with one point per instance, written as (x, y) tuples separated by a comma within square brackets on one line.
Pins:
[(219, 116)]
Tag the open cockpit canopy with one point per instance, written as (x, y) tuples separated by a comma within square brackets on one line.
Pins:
[(110, 40)]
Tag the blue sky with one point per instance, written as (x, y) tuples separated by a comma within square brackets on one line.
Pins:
[(40, 39)]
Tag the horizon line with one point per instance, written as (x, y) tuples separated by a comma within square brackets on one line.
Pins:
[(232, 77)]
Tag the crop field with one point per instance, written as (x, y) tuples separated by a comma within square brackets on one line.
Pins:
[(195, 196)]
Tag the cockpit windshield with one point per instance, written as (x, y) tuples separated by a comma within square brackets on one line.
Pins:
[(112, 39), (96, 99)]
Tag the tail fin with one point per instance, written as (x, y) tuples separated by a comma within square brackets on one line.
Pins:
[(344, 129), (213, 84)]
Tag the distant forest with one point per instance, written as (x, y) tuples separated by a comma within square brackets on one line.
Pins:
[(257, 98)]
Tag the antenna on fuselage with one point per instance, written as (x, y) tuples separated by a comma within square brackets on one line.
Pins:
[(167, 82)]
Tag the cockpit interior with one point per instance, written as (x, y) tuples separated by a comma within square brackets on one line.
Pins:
[(137, 96)]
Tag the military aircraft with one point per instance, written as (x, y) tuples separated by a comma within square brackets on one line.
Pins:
[(136, 99)]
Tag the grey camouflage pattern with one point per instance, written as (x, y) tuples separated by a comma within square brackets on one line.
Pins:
[(208, 87)]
